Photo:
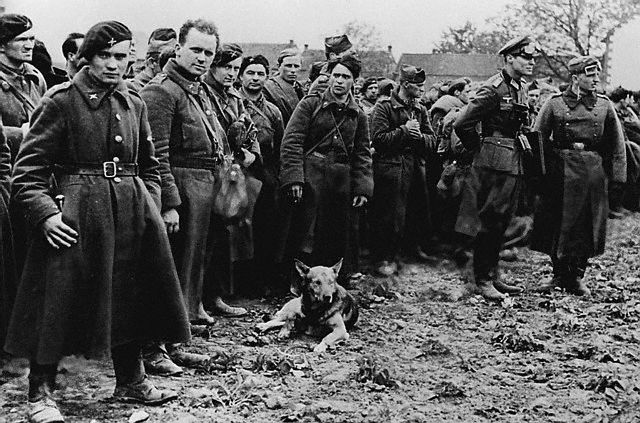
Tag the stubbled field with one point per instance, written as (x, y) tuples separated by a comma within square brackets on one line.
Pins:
[(425, 350)]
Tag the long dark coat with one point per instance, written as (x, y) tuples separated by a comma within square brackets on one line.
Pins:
[(400, 189), (572, 219), (326, 149), (118, 284), (8, 277)]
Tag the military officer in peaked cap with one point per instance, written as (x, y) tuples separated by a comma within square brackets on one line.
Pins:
[(99, 278), (586, 168), (491, 187)]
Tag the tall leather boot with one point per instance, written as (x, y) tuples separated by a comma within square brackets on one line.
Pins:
[(577, 284)]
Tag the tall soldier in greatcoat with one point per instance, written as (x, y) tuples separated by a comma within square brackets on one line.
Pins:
[(190, 145), (99, 278), (586, 166), (325, 169), (402, 136), (490, 189)]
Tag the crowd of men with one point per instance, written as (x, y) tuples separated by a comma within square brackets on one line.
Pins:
[(115, 229)]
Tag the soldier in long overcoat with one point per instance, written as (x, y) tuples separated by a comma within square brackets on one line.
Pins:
[(8, 276), (490, 189), (402, 137), (99, 278), (586, 162), (325, 169)]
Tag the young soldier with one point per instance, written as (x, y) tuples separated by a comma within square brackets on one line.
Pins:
[(490, 190), (284, 90), (99, 278), (586, 166)]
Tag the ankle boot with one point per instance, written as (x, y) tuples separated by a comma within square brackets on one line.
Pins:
[(488, 291), (506, 288)]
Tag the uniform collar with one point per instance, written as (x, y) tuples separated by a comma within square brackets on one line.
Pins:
[(509, 80), (93, 92), (220, 89), (26, 71), (178, 75), (328, 99), (258, 102), (572, 100)]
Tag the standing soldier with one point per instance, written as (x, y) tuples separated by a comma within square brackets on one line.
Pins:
[(99, 278), (189, 144), (586, 163), (369, 95), (402, 136), (284, 90), (70, 48), (335, 47), (490, 190), (325, 168), (160, 40), (21, 84), (254, 72)]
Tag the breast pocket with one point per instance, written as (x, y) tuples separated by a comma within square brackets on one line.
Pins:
[(499, 155)]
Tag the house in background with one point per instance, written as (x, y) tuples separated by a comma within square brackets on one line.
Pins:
[(450, 66)]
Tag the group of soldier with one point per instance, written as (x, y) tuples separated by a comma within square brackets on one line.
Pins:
[(113, 242)]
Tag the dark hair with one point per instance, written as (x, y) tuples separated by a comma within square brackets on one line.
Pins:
[(618, 94), (69, 46), (162, 34), (201, 25)]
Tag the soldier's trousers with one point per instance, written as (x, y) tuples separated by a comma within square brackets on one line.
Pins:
[(569, 267)]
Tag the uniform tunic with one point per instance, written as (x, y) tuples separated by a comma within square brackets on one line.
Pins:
[(118, 284), (326, 149), (573, 218), (284, 95)]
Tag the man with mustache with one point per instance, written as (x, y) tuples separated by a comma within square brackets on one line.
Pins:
[(490, 189), (586, 169)]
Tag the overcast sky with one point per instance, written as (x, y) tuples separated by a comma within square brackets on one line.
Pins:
[(410, 26)]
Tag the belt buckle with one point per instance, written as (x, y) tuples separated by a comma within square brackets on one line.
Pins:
[(109, 169)]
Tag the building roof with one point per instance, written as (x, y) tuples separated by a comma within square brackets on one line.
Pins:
[(449, 65), (268, 50)]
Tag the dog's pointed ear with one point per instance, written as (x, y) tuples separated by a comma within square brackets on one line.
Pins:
[(294, 288), (336, 267), (302, 268)]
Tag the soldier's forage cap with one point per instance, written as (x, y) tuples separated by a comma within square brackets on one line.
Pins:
[(227, 53), (349, 61), (258, 59), (12, 25), (385, 86), (161, 39), (523, 46), (588, 65), (367, 83), (412, 74), (457, 84), (288, 52), (337, 44), (103, 35)]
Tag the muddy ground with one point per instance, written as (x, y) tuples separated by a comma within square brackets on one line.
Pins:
[(425, 350)]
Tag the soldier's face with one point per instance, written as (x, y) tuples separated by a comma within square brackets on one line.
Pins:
[(20, 49), (196, 54), (227, 74), (253, 78), (414, 90), (341, 80), (587, 83), (109, 65), (523, 66), (372, 92), (289, 68)]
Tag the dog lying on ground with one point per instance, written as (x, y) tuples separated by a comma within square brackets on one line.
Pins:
[(321, 306)]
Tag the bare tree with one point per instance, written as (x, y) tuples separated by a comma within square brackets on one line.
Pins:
[(366, 39), (469, 39)]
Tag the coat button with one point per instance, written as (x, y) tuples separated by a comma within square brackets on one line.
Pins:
[(118, 117), (118, 138), (117, 180), (116, 160)]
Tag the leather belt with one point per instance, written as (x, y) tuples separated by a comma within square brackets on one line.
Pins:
[(207, 163), (109, 170)]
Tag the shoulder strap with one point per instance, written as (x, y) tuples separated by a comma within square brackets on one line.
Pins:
[(26, 101)]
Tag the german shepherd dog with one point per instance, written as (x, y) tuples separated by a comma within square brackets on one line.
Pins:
[(321, 306)]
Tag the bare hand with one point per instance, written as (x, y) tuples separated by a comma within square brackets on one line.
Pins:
[(249, 157), (413, 126), (171, 219), (57, 233), (295, 192), (359, 201)]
